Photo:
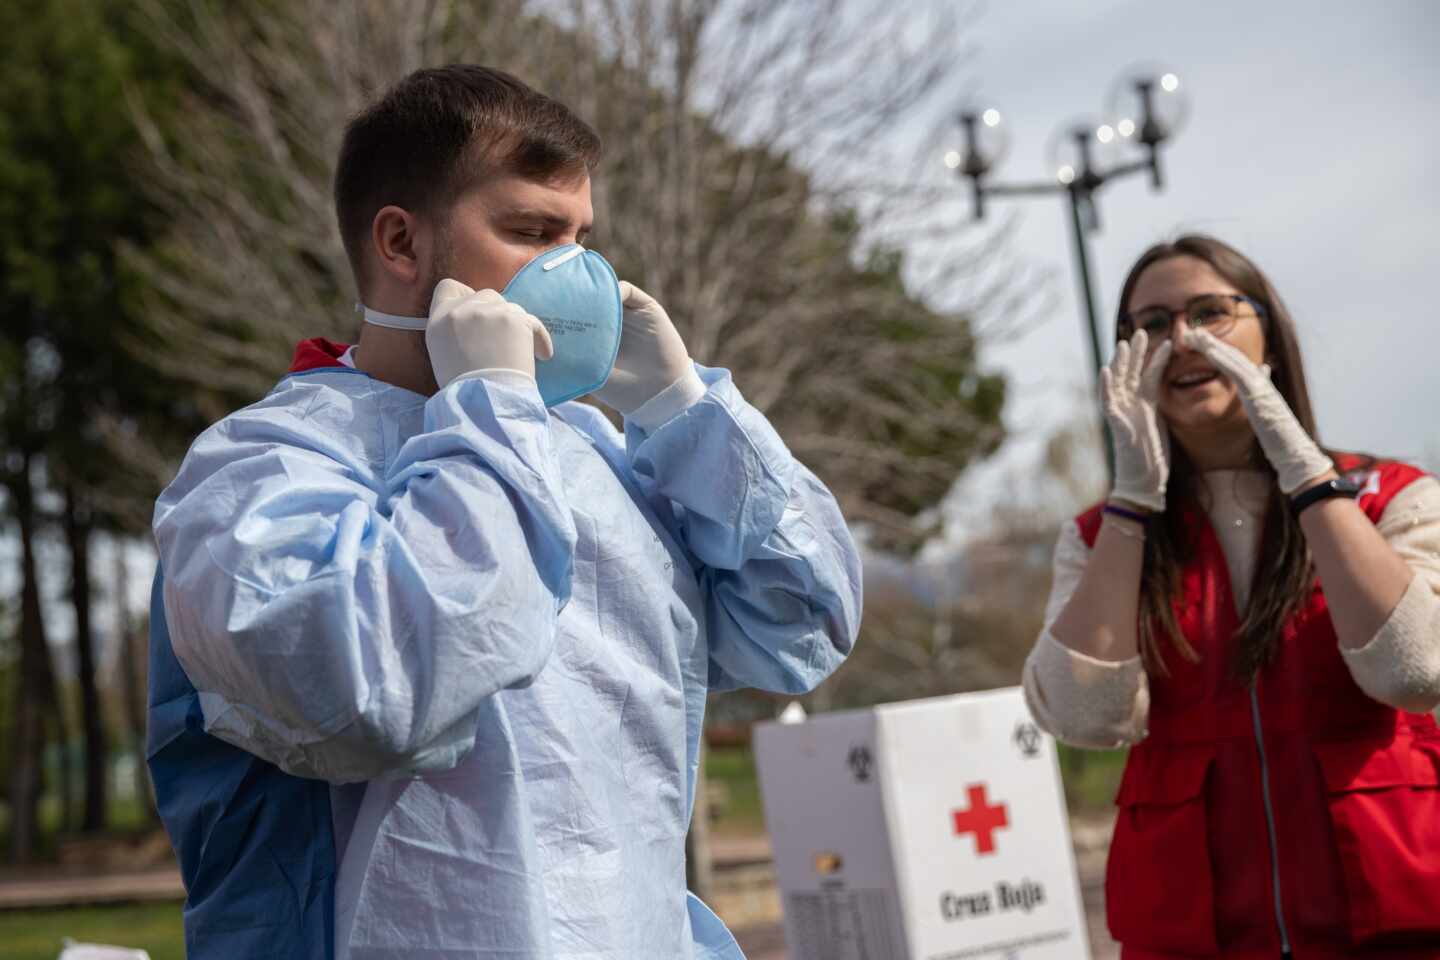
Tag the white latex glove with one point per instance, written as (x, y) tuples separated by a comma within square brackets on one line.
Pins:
[(470, 332), (1129, 388), (1297, 458), (652, 356)]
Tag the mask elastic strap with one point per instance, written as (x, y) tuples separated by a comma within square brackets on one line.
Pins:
[(390, 320)]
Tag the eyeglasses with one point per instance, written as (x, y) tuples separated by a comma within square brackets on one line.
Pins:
[(1212, 312)]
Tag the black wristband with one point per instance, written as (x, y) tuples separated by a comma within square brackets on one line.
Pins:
[(1339, 487), (1131, 515)]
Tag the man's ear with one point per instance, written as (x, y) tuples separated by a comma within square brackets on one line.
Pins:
[(394, 238)]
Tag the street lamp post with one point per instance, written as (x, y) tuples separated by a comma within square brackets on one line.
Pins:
[(1082, 177)]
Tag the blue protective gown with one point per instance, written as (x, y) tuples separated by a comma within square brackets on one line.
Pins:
[(484, 632)]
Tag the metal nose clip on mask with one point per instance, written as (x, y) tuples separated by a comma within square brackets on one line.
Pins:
[(574, 293)]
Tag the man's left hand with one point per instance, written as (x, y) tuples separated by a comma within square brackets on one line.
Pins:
[(652, 356)]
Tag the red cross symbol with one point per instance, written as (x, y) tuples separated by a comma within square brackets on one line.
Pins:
[(981, 819)]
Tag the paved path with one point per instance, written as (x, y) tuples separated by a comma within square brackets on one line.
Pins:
[(64, 889)]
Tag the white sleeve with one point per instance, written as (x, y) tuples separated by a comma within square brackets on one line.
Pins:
[(1081, 700), (1400, 665)]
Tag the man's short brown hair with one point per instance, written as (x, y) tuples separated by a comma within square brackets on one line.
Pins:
[(438, 131)]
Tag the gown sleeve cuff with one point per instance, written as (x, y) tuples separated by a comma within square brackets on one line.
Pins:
[(669, 403)]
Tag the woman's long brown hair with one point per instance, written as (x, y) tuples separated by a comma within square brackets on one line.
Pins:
[(1285, 571)]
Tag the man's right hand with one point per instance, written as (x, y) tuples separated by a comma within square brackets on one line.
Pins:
[(469, 332)]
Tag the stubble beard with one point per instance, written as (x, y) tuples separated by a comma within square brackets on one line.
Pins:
[(440, 268)]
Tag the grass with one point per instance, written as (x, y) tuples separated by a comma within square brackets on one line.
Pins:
[(732, 769), (37, 934), (1091, 778)]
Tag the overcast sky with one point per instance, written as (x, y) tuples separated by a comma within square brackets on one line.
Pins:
[(1313, 145)]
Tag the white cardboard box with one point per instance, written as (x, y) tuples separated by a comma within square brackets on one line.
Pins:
[(928, 830)]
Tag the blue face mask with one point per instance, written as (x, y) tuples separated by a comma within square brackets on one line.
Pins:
[(573, 291)]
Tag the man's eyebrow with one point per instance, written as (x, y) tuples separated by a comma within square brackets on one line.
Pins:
[(543, 216)]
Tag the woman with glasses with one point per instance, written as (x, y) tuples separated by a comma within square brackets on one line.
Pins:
[(1259, 619)]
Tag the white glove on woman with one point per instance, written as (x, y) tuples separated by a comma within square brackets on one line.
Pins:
[(1129, 388), (1297, 459), (652, 356), (471, 332)]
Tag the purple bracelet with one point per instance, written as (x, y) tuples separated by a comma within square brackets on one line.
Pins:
[(1131, 515)]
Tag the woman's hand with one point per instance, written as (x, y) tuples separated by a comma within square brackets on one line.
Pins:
[(1129, 388), (1100, 618), (1296, 457)]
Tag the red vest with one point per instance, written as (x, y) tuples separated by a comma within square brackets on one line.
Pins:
[(1353, 792)]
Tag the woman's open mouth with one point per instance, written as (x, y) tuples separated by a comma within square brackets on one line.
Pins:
[(1194, 379)]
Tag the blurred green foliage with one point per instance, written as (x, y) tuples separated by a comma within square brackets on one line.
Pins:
[(1091, 777)]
